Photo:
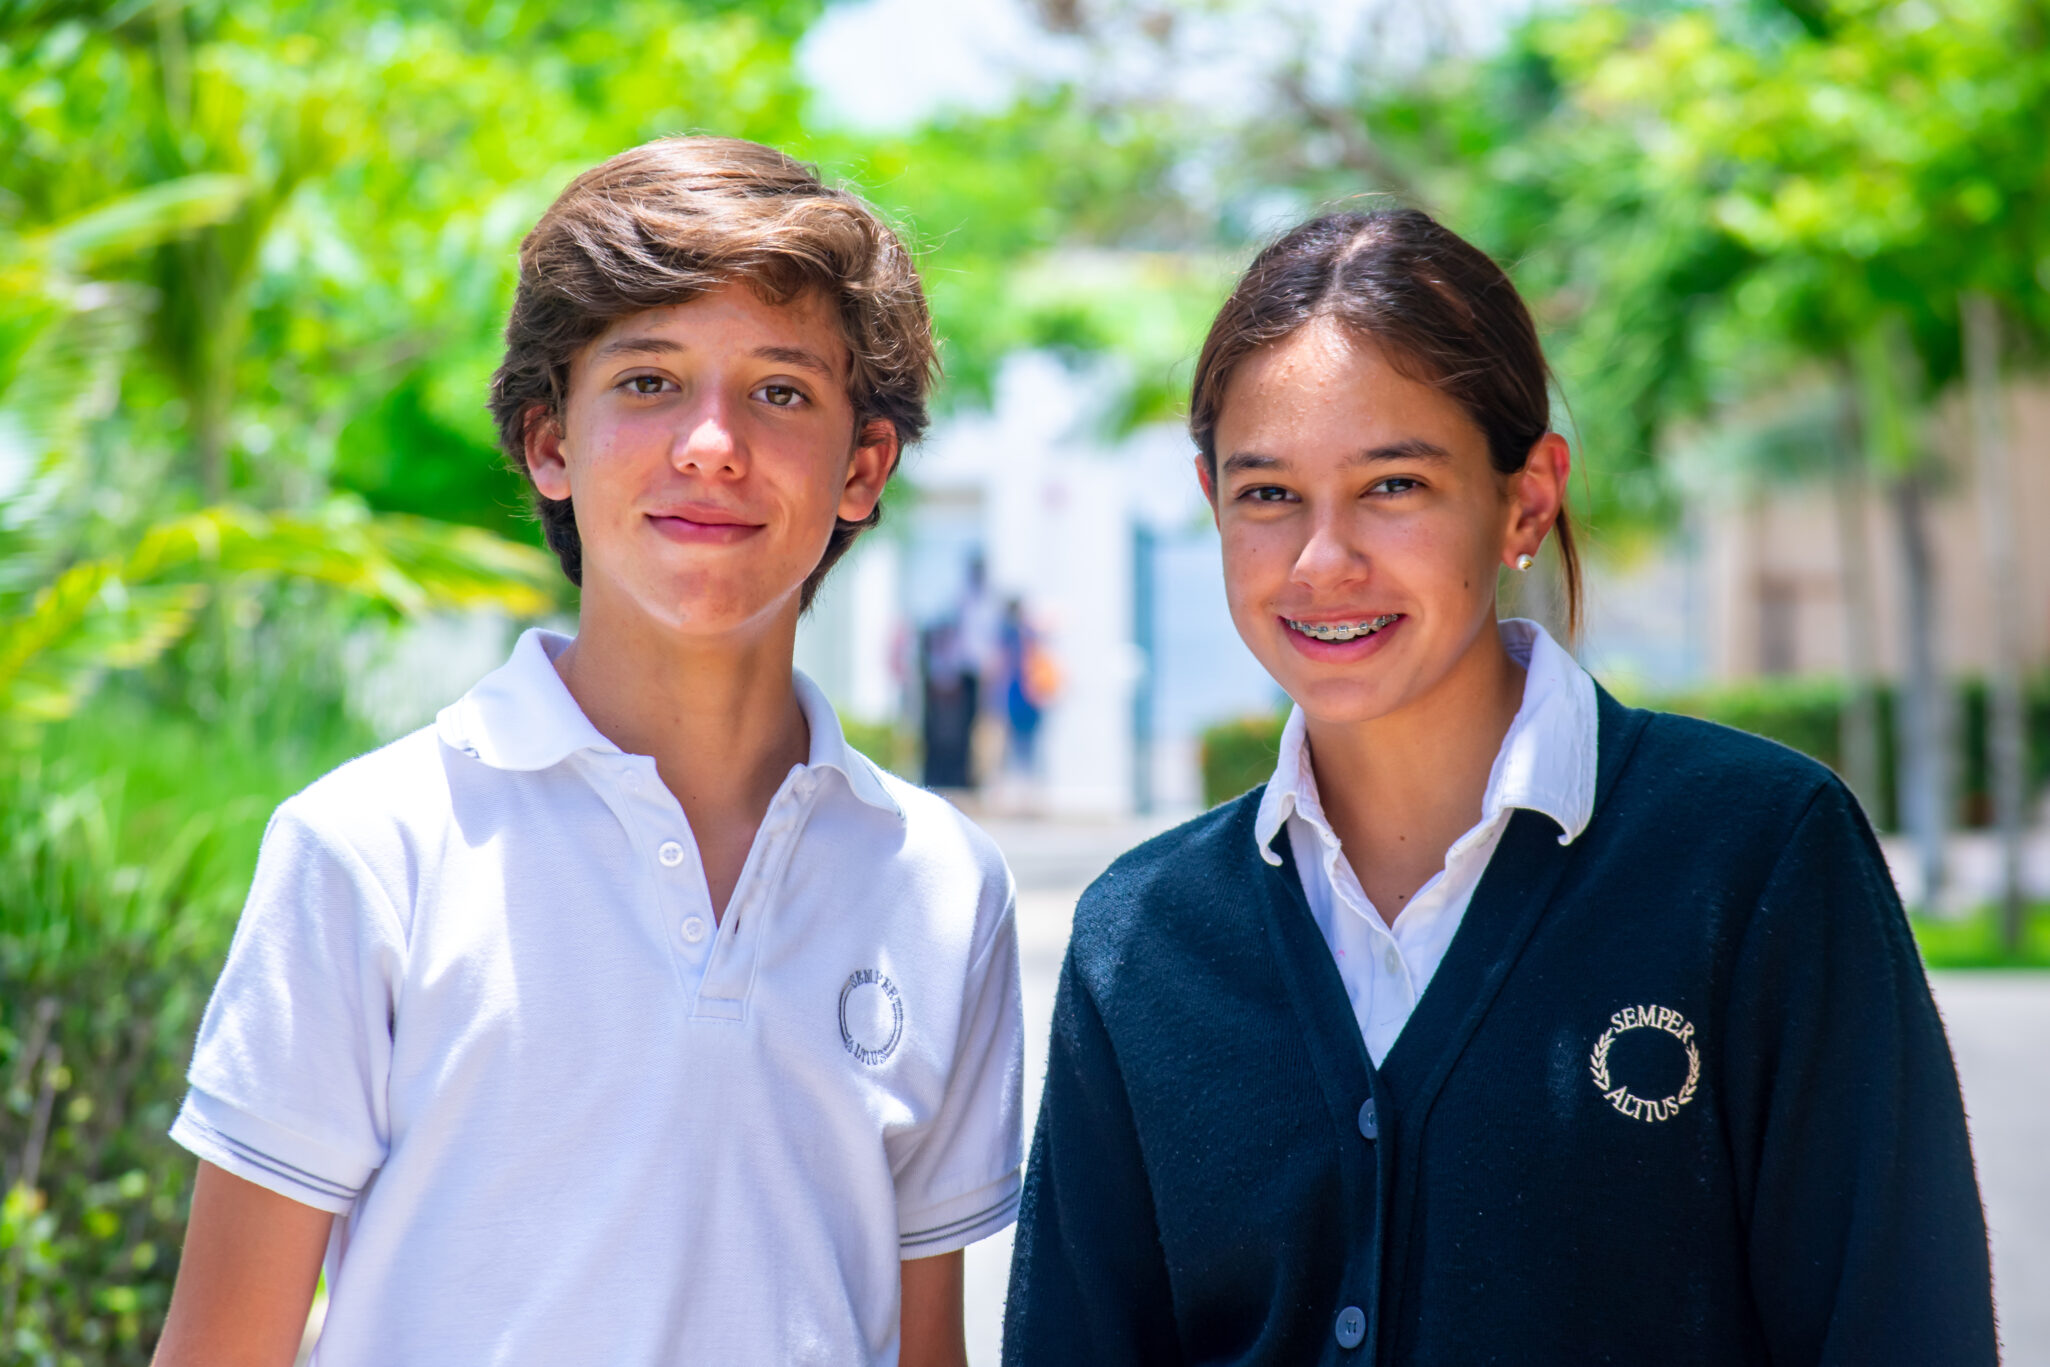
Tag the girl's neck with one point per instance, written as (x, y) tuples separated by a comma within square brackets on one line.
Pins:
[(1401, 788)]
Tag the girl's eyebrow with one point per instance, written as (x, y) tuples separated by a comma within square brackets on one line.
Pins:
[(1411, 448), (1250, 460)]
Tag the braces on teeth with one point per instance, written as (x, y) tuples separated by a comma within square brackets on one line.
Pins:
[(1341, 631)]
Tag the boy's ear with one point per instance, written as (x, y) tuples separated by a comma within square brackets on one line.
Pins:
[(875, 455), (546, 465)]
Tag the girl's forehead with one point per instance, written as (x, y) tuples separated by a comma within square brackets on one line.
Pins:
[(1323, 377)]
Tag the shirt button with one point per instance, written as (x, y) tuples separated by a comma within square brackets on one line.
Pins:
[(1370, 1124), (1351, 1327), (670, 853), (1392, 960), (694, 931)]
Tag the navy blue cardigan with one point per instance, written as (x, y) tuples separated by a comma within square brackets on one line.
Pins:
[(1677, 1094)]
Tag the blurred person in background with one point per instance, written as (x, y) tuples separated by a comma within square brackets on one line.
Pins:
[(1029, 683), (1505, 1023), (491, 1045), (957, 656)]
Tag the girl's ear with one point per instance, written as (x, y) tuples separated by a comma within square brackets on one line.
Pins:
[(546, 464), (1537, 493), (1209, 485)]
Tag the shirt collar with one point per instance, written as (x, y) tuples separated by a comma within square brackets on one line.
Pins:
[(830, 750), (1546, 763), (521, 717)]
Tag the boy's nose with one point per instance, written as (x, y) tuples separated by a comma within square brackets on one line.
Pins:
[(710, 444)]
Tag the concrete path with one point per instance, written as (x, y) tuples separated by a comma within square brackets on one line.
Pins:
[(1999, 1025)]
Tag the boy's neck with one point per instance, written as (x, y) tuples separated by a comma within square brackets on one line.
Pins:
[(719, 717)]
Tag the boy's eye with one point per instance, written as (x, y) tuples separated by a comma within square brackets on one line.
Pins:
[(645, 384), (1265, 493), (780, 395), (1396, 484)]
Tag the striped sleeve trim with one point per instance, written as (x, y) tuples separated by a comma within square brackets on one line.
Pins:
[(266, 1170), (968, 1228)]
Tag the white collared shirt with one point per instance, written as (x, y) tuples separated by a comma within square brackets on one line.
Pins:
[(478, 1005), (1546, 764)]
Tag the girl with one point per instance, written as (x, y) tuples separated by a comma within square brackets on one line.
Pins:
[(1505, 1023)]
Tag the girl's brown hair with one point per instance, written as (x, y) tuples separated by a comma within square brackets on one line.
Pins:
[(675, 218), (1439, 309)]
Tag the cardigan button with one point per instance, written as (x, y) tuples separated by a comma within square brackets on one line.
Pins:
[(1370, 1125), (1351, 1327)]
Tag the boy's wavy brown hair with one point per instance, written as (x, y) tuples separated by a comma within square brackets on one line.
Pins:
[(675, 218)]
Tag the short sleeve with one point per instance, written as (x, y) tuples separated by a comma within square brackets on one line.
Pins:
[(288, 1076), (959, 1181)]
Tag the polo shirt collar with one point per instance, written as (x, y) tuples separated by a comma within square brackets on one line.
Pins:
[(830, 750), (522, 717), (1546, 763)]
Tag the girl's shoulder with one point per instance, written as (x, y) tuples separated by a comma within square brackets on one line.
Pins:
[(1676, 782), (1707, 765), (1184, 885)]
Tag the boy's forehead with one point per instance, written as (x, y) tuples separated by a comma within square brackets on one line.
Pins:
[(801, 331)]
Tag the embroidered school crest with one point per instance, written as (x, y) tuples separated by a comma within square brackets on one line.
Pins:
[(1619, 1095), (871, 1016)]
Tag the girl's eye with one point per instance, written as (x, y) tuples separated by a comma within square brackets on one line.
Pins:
[(645, 384), (779, 395)]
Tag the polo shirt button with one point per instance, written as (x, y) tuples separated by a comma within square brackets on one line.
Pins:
[(693, 928), (1351, 1327), (1370, 1124), (670, 853), (1392, 959)]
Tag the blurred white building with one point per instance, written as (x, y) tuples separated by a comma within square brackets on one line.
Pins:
[(1108, 544)]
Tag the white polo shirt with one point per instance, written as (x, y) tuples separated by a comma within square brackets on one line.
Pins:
[(479, 1007), (1546, 764)]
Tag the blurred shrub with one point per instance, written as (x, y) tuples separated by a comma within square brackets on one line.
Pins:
[(1239, 754), (888, 744), (126, 842), (1804, 714), (106, 955)]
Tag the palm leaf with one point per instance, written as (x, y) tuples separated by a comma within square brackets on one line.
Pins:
[(121, 612)]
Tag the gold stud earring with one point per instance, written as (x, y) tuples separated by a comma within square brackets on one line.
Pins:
[(1525, 561)]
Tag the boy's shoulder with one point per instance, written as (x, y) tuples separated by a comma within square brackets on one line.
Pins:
[(380, 795), (936, 830)]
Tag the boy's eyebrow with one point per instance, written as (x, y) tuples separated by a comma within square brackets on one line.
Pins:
[(1411, 448), (663, 346), (638, 346), (797, 356)]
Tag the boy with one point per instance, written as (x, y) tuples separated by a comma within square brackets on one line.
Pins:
[(626, 1015)]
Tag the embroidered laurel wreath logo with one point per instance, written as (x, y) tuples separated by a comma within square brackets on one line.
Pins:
[(1645, 1018)]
